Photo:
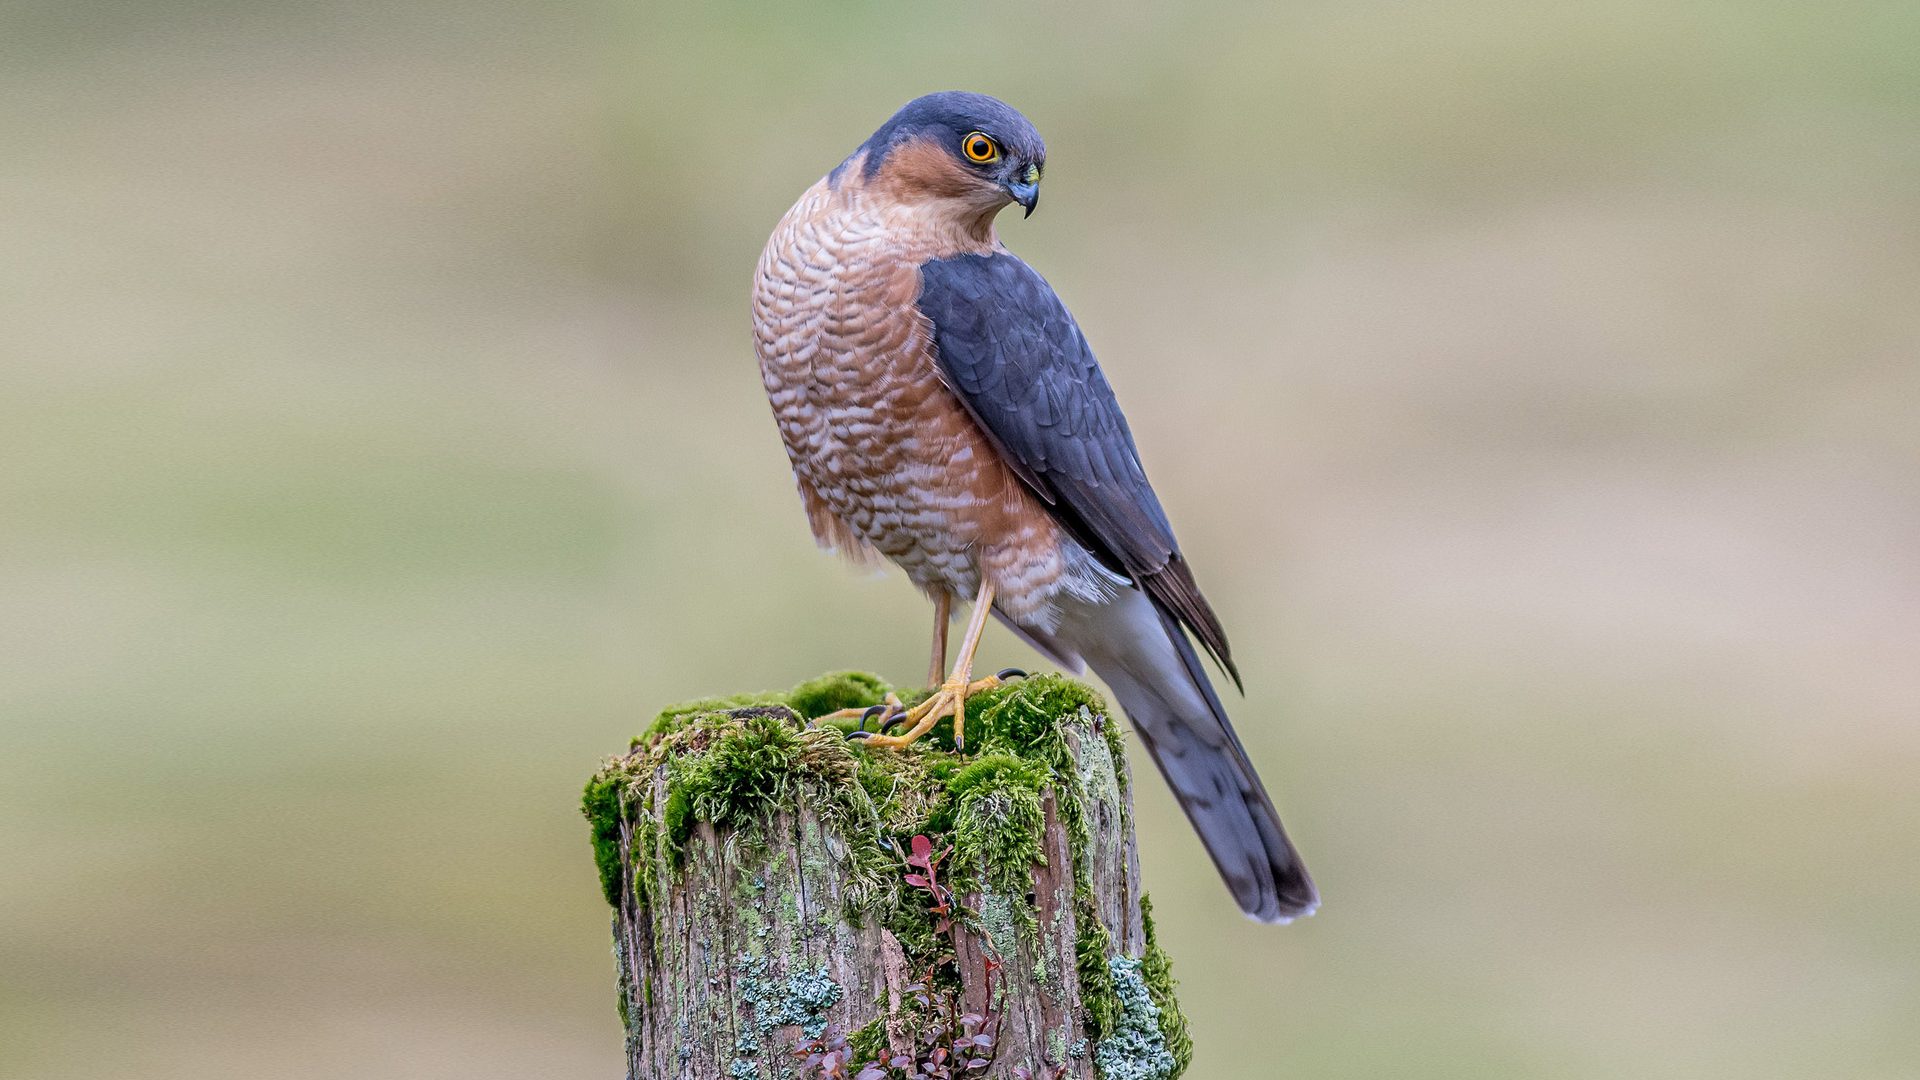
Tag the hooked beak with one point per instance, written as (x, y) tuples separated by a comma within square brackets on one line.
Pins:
[(1026, 193)]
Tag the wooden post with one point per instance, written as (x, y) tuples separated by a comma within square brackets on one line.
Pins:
[(788, 903)]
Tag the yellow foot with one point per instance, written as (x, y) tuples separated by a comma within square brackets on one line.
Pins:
[(949, 700), (893, 705)]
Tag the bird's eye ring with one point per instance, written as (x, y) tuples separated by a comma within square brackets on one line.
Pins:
[(979, 148)]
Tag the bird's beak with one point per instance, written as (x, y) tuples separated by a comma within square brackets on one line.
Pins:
[(1026, 193)]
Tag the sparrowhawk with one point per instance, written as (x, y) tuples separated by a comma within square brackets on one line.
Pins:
[(942, 409)]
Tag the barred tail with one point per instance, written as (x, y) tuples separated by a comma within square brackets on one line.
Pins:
[(1156, 675)]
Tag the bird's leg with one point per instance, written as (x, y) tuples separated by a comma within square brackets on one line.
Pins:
[(951, 698), (942, 612)]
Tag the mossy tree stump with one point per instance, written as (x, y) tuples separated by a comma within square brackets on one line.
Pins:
[(771, 918)]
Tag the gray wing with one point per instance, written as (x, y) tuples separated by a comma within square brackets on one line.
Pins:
[(1015, 358)]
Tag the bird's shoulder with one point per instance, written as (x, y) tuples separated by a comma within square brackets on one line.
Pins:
[(1008, 348), (995, 317), (995, 276), (1007, 344)]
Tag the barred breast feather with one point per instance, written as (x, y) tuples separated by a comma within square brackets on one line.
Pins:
[(887, 460)]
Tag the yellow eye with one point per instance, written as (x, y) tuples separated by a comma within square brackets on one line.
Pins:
[(979, 149)]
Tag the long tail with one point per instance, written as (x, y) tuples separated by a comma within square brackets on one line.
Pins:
[(1145, 657)]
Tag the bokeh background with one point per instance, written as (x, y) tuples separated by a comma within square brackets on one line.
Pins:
[(1535, 390)]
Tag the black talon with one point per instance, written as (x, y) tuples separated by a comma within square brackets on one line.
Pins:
[(872, 710), (860, 733), (892, 719), (1009, 673)]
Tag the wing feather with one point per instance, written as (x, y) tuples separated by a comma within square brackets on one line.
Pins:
[(1008, 349)]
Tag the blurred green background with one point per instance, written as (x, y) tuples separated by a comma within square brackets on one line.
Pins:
[(1535, 391)]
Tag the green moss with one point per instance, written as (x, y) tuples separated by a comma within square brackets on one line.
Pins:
[(602, 805), (907, 791), (835, 691), (910, 925), (675, 717), (990, 771), (868, 1042), (811, 699), (676, 821), (1156, 969), (729, 760), (1116, 746), (998, 822), (1090, 948), (734, 761), (746, 773), (1023, 717)]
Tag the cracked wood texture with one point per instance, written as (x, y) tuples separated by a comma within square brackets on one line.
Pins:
[(750, 948)]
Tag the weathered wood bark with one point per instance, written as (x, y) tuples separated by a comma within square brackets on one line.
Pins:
[(762, 898)]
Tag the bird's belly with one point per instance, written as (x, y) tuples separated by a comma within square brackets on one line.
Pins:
[(895, 459), (915, 512), (882, 447)]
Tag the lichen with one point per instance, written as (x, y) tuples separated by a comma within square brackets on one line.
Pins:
[(801, 1000), (1137, 1049), (1156, 969), (809, 995)]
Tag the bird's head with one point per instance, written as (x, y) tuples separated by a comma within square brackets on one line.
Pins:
[(967, 154)]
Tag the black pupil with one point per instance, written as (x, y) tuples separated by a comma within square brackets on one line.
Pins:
[(980, 148)]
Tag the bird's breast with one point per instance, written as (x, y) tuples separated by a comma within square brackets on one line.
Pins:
[(882, 451)]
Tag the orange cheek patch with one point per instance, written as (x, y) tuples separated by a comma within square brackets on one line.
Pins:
[(920, 168)]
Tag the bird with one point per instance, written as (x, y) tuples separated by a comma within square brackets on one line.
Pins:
[(942, 410)]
